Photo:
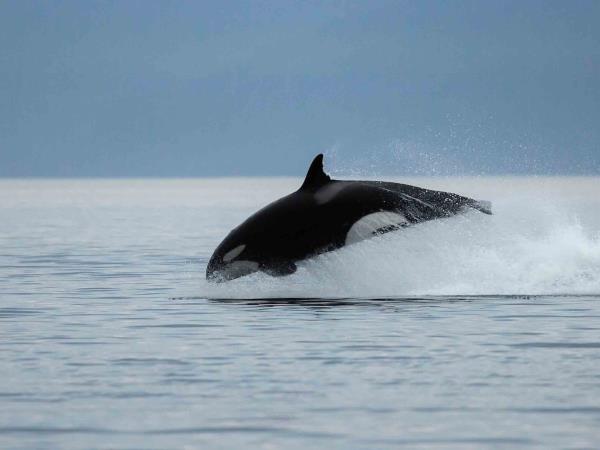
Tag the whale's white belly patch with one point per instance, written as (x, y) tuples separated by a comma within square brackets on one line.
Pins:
[(373, 224)]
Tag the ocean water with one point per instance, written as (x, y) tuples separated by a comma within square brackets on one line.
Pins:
[(465, 333)]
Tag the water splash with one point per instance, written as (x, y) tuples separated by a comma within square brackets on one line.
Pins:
[(525, 248)]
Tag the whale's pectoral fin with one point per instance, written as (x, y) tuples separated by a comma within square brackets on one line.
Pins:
[(279, 269)]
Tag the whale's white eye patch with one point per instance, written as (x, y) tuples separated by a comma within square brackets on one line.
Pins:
[(373, 224), (233, 253)]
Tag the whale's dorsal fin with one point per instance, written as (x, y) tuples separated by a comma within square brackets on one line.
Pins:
[(315, 177)]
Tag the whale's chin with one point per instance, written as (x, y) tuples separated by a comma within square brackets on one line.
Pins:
[(231, 271)]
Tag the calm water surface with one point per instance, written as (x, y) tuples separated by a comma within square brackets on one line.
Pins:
[(477, 332)]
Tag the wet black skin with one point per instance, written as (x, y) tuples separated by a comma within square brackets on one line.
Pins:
[(298, 226)]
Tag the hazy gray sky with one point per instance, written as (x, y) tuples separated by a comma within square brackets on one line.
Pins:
[(192, 88)]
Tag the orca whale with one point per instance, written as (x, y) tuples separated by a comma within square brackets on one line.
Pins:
[(324, 215)]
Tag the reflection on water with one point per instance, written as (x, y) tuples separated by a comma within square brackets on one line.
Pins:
[(108, 339)]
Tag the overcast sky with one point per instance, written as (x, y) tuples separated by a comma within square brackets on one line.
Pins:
[(194, 88)]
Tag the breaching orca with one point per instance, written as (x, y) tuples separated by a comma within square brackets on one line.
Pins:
[(324, 215)]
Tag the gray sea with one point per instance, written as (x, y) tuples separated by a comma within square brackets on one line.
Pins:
[(465, 333)]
